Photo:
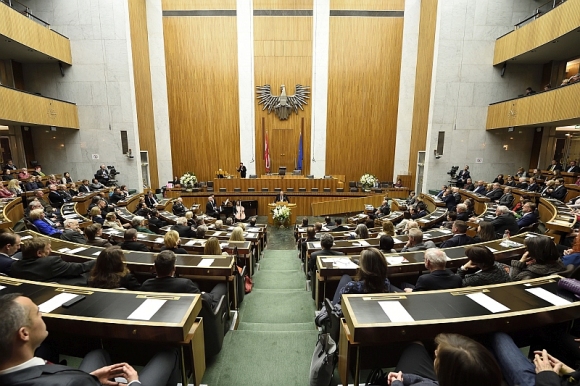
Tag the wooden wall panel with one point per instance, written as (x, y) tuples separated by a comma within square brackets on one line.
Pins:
[(283, 55), (421, 103), (21, 29), (368, 5), (286, 4), (363, 94), (202, 86), (558, 22), (19, 107), (143, 93), (186, 5)]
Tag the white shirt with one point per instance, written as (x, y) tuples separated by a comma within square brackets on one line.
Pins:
[(29, 363)]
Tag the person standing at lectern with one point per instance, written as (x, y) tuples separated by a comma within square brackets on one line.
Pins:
[(242, 170), (281, 197)]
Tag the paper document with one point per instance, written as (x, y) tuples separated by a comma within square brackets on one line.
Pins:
[(316, 245), (2, 287), (396, 312), (159, 240), (396, 240), (140, 236), (493, 250), (55, 302), (77, 250), (190, 243), (485, 301), (396, 259), (344, 263), (205, 262), (548, 296), (446, 231), (147, 309), (25, 237), (224, 245), (63, 250), (70, 216), (364, 243), (97, 253)]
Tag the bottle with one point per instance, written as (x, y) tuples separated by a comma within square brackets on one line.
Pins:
[(506, 234)]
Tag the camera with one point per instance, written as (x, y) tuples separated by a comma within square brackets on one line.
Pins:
[(453, 171), (112, 171)]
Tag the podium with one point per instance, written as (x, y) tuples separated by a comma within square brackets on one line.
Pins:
[(292, 207)]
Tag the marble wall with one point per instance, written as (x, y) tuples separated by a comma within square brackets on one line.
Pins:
[(100, 82), (465, 82)]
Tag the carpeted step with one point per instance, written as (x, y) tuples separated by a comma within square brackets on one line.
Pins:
[(279, 263), (277, 306), (245, 326), (279, 280)]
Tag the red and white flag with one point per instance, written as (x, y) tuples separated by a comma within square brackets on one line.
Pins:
[(267, 154)]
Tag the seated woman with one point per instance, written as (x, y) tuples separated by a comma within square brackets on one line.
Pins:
[(212, 247), (237, 234), (458, 361), (361, 232), (521, 173), (110, 271), (73, 190), (386, 244), (541, 259), (95, 215), (37, 218), (572, 255), (51, 180), (23, 175), (371, 277), (14, 187), (451, 217), (489, 271), (112, 222), (138, 223), (239, 212), (171, 243), (190, 217), (388, 229), (498, 179), (5, 193), (66, 179), (410, 225), (510, 181), (398, 184), (485, 232), (94, 233)]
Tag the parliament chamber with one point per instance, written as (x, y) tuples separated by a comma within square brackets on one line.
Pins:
[(348, 116)]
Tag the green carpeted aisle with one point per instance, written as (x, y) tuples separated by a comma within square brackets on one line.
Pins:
[(276, 335)]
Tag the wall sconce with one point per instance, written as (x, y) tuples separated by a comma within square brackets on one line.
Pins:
[(505, 147)]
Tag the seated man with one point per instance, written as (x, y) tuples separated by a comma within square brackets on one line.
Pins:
[(480, 188), (56, 200), (469, 185), (420, 211), (529, 215), (96, 185), (24, 331), (39, 196), (504, 220), (496, 192), (182, 228), (339, 227), (131, 243), (415, 242), (167, 282), (200, 231), (559, 192), (155, 220), (462, 214), (438, 277), (9, 245), (507, 199), (178, 208), (103, 175), (37, 218), (85, 187), (94, 233), (8, 175), (38, 265), (116, 196), (151, 200), (211, 209), (72, 232), (326, 242), (383, 210), (138, 223), (459, 237), (488, 271)]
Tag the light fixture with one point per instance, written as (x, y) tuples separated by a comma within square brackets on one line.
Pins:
[(505, 147)]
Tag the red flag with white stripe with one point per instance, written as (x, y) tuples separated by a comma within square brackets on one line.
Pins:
[(267, 154)]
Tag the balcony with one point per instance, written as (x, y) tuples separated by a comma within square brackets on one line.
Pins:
[(22, 108), (551, 33), (27, 39), (557, 106)]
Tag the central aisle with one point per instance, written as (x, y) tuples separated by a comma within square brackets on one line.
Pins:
[(275, 339)]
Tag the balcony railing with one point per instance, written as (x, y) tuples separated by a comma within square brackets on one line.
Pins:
[(25, 10)]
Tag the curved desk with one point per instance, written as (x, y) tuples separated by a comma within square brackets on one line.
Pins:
[(11, 211)]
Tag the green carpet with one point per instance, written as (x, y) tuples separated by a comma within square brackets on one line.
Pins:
[(276, 335)]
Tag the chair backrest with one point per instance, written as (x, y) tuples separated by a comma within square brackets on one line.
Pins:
[(352, 184), (214, 322), (301, 189), (530, 228), (30, 226), (265, 189), (568, 271), (251, 189), (327, 189), (311, 176), (223, 189), (334, 320), (277, 189), (575, 274), (340, 190), (237, 189), (154, 228), (289, 189), (209, 184), (314, 190)]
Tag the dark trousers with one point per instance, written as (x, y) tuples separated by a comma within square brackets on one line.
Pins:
[(416, 360)]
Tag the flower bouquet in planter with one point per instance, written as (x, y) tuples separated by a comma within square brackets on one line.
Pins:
[(368, 181), (281, 215), (188, 180)]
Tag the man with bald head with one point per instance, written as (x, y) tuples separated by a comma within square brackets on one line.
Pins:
[(72, 232)]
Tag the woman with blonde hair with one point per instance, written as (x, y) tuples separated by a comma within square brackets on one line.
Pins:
[(237, 234), (95, 215), (241, 225), (112, 222), (410, 225), (73, 190), (190, 218), (171, 243), (14, 187), (212, 247), (388, 229)]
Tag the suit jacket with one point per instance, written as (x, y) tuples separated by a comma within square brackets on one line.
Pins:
[(463, 216), (157, 222), (5, 263), (503, 222), (533, 187), (495, 194), (178, 209), (456, 241), (573, 169), (84, 189), (469, 187), (340, 228), (463, 175), (134, 246), (284, 198), (507, 199), (55, 199), (49, 375), (479, 189), (554, 167), (151, 202), (51, 268), (99, 242), (440, 279), (528, 219), (420, 247), (450, 202), (74, 236), (559, 193), (115, 198), (170, 284), (420, 214), (211, 209)]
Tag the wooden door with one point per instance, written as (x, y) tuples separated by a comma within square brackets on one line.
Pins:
[(284, 148)]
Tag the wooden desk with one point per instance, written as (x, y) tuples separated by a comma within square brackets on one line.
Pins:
[(433, 218), (479, 201), (68, 211), (11, 211), (558, 217), (367, 328), (104, 314)]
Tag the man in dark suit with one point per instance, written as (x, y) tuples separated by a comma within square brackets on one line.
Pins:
[(242, 170), (38, 265), (151, 201), (572, 168), (469, 185), (9, 245), (178, 207), (459, 237), (383, 210), (530, 216), (326, 242), (103, 175), (166, 282), (451, 198), (480, 188), (496, 193), (24, 331), (116, 196), (155, 220), (507, 199), (555, 165), (182, 228), (211, 209), (504, 220), (419, 211), (56, 200), (281, 197), (85, 188), (339, 227), (462, 214), (438, 277), (533, 185), (131, 243), (559, 192), (71, 232), (463, 176)]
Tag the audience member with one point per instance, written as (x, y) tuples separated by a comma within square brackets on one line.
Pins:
[(420, 211), (237, 234), (212, 247), (529, 215), (339, 227), (178, 208), (555, 165), (469, 185), (72, 232), (14, 187), (406, 218), (200, 231), (94, 233), (489, 271), (211, 208), (459, 237), (533, 185), (326, 242), (110, 271), (438, 277), (95, 214), (541, 259), (131, 243), (415, 242), (37, 218), (23, 175), (111, 221), (85, 187), (485, 232), (138, 223), (507, 198), (480, 188), (572, 255), (504, 221), (496, 193), (9, 245), (182, 228), (388, 229), (462, 214), (499, 179), (171, 242), (386, 244), (559, 192)]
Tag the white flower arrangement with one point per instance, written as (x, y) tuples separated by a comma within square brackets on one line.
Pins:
[(281, 213), (368, 180), (188, 179)]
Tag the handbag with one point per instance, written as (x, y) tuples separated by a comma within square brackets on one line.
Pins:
[(571, 285), (377, 378), (323, 361)]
